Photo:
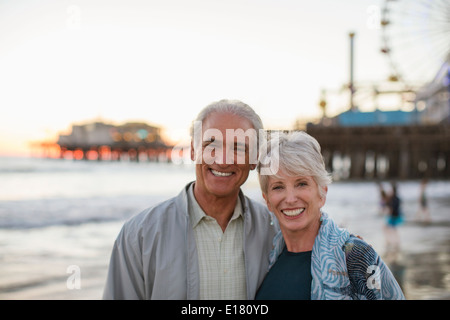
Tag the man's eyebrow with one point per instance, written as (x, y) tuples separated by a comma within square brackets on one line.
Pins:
[(209, 139)]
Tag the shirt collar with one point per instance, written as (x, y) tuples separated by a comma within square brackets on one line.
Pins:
[(196, 213)]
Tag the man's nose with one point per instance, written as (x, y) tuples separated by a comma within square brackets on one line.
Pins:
[(224, 156)]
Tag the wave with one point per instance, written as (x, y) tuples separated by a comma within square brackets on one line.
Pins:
[(11, 165), (25, 214)]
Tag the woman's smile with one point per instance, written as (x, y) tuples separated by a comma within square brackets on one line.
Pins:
[(293, 213)]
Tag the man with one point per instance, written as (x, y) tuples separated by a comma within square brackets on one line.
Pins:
[(210, 241)]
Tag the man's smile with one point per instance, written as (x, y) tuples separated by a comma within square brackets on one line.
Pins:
[(220, 173)]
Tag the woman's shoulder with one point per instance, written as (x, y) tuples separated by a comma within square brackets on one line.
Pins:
[(358, 250), (357, 241)]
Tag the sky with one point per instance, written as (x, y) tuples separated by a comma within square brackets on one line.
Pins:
[(161, 62)]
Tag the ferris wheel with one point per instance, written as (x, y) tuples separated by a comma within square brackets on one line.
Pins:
[(415, 36)]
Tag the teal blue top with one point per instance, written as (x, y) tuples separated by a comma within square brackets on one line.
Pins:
[(289, 278)]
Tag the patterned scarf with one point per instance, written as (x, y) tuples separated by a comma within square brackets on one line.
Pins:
[(328, 265)]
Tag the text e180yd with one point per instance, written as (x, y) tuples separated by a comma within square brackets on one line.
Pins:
[(246, 309)]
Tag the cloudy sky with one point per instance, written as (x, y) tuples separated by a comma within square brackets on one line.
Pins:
[(64, 62)]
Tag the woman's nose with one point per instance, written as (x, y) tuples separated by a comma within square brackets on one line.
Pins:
[(290, 196)]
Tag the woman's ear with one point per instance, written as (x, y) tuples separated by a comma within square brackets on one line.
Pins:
[(267, 202), (264, 196), (324, 197)]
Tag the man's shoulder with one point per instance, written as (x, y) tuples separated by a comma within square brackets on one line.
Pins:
[(156, 210), (355, 242), (151, 216), (255, 206), (259, 213)]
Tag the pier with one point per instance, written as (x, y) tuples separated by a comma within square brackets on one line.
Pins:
[(385, 152), (133, 141)]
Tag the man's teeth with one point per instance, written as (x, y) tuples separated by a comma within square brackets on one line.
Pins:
[(221, 174), (292, 213)]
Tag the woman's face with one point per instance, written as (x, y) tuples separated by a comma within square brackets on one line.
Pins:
[(295, 201)]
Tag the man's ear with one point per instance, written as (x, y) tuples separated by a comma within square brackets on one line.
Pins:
[(192, 151)]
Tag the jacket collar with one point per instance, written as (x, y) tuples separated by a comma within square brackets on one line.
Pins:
[(196, 213)]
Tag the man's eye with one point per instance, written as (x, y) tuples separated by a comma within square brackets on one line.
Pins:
[(211, 144)]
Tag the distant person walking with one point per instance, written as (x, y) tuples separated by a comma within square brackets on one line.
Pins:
[(384, 199), (393, 220), (423, 214)]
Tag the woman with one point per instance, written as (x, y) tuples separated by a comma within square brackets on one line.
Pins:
[(313, 258), (423, 212), (393, 220)]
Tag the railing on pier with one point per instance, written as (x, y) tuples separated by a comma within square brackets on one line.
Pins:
[(385, 152)]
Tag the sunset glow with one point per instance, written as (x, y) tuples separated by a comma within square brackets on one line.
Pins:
[(160, 62)]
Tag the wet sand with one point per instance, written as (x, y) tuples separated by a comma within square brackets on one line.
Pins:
[(422, 264), (424, 274)]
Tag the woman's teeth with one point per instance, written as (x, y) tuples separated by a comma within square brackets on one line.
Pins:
[(292, 213), (221, 174)]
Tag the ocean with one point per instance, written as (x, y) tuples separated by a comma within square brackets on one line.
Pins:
[(59, 219)]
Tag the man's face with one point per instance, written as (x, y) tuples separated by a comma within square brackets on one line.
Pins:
[(224, 165)]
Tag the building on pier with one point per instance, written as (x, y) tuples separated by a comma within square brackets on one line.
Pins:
[(103, 141)]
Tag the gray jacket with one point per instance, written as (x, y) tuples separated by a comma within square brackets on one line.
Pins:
[(155, 255)]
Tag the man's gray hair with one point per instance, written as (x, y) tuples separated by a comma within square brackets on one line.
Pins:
[(235, 107), (298, 154)]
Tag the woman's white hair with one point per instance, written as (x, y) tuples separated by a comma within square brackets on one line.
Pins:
[(297, 154)]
